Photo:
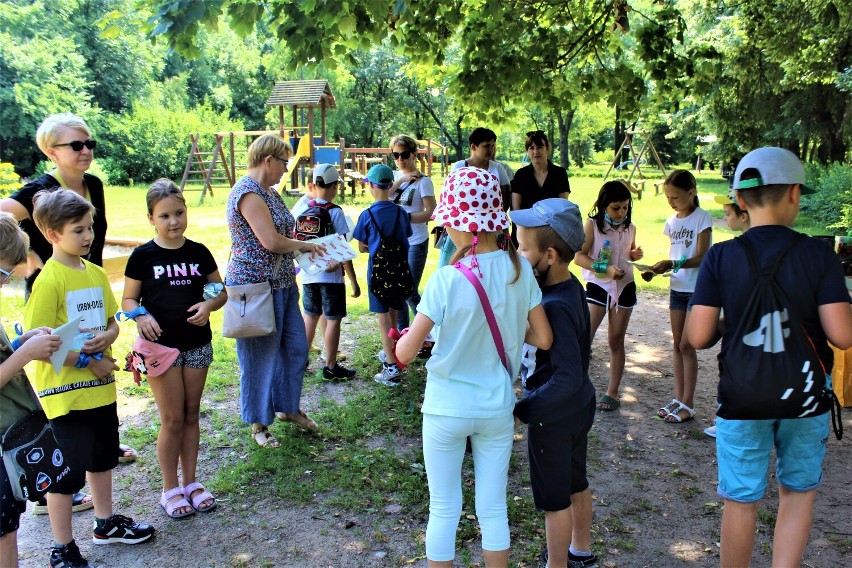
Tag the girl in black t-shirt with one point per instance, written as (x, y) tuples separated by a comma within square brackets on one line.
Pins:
[(164, 293)]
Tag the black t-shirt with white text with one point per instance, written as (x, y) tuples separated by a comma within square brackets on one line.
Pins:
[(172, 281)]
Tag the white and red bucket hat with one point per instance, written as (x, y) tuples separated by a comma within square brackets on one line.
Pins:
[(471, 201)]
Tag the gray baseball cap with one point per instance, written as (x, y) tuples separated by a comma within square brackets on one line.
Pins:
[(775, 165), (327, 172), (559, 214)]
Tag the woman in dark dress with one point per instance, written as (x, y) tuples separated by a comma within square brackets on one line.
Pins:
[(542, 179)]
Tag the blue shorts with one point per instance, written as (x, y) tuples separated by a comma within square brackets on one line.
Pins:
[(743, 448), (324, 299), (379, 307), (680, 301)]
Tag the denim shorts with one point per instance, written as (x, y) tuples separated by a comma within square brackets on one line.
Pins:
[(743, 449), (324, 299), (680, 301), (379, 307)]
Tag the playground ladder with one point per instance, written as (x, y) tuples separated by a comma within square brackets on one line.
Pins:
[(206, 167)]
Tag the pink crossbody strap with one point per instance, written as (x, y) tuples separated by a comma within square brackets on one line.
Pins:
[(489, 313)]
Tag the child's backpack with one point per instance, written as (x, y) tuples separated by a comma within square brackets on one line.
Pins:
[(391, 281), (771, 369), (315, 221)]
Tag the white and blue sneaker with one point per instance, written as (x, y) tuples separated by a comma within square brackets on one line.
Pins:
[(388, 376)]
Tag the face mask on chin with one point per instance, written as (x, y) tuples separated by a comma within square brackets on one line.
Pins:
[(615, 224)]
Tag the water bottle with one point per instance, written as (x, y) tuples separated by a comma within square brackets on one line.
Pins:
[(604, 255)]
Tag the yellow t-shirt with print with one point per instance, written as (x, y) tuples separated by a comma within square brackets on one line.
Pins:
[(61, 294)]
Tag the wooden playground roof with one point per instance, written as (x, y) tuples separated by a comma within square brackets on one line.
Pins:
[(303, 94)]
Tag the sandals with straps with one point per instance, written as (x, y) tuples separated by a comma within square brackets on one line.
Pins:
[(668, 408), (198, 499), (263, 438), (170, 504), (674, 416), (300, 419)]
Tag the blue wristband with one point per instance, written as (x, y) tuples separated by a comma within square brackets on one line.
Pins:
[(138, 311), (82, 361), (16, 343)]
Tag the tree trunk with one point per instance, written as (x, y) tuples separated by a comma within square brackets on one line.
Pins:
[(564, 121), (618, 135)]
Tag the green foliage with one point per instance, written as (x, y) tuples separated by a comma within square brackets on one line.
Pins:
[(832, 202), (9, 180), (152, 142)]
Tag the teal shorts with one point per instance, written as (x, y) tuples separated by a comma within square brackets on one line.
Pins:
[(743, 449)]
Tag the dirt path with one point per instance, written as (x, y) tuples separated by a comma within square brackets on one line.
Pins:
[(654, 486)]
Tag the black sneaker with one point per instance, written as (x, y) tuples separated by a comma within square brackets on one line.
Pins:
[(119, 528), (68, 556), (574, 561), (338, 372)]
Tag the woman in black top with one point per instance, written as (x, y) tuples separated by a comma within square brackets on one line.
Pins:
[(542, 179), (67, 141)]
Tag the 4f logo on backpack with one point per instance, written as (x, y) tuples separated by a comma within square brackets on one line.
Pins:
[(770, 368), (770, 334)]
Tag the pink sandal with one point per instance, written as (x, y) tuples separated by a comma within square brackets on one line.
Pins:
[(170, 506), (199, 498)]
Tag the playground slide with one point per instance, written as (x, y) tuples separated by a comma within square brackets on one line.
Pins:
[(303, 151)]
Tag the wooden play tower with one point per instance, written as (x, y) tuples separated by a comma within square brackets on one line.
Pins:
[(219, 168), (637, 185)]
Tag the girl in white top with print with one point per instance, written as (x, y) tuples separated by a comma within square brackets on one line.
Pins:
[(689, 230), (468, 390)]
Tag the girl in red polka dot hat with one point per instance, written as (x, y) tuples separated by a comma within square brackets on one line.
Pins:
[(474, 360)]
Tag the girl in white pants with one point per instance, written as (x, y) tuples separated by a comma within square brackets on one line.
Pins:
[(469, 384)]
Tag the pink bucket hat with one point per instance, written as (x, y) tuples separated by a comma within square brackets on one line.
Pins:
[(471, 202)]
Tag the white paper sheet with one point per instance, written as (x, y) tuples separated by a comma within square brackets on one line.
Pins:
[(66, 332), (337, 250)]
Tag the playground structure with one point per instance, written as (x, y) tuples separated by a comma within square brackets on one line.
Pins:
[(637, 186), (221, 167)]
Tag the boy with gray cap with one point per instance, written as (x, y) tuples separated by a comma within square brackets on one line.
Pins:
[(559, 399), (769, 183)]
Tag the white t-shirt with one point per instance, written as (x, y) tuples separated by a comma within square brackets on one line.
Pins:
[(465, 376), (495, 168), (683, 234), (412, 202), (338, 218)]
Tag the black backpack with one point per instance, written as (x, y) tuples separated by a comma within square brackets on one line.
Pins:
[(314, 222), (391, 280), (771, 369)]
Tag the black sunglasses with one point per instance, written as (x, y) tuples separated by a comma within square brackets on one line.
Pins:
[(404, 155), (77, 145)]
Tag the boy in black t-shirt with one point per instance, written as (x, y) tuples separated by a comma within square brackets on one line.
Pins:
[(769, 183), (559, 399)]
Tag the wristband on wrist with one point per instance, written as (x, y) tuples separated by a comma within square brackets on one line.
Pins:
[(599, 266), (16, 343), (678, 264), (132, 315), (82, 361)]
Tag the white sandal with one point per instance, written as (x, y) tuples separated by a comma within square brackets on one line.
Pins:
[(668, 408), (673, 417)]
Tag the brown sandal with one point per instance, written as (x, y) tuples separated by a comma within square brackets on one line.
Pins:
[(301, 420), (263, 438)]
